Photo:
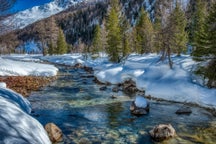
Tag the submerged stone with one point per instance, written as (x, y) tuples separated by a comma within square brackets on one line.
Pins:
[(184, 110)]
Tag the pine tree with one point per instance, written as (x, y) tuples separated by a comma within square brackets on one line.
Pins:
[(144, 33), (180, 36), (97, 42), (173, 36), (209, 48), (51, 48), (113, 29), (198, 29), (61, 43), (157, 35), (211, 23), (124, 24)]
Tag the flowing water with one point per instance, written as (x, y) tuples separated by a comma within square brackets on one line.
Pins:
[(85, 114)]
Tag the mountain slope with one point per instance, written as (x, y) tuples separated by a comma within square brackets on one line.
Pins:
[(29, 16)]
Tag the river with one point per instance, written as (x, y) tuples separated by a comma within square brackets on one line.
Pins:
[(75, 103)]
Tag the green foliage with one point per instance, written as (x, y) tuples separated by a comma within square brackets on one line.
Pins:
[(177, 25), (199, 29), (211, 25), (113, 37), (51, 48), (96, 42), (157, 36), (198, 18), (61, 43), (205, 45), (144, 33), (124, 24)]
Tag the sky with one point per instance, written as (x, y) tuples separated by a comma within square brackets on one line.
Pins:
[(25, 4)]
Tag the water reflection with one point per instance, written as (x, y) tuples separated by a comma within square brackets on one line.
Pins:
[(75, 103)]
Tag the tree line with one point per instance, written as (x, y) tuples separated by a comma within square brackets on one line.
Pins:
[(170, 33)]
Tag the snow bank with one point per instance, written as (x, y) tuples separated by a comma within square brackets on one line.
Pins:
[(150, 74), (18, 127), (16, 99), (19, 68), (159, 81)]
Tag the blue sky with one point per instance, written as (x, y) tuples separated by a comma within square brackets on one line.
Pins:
[(25, 4)]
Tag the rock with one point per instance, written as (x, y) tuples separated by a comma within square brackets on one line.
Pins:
[(54, 132), (103, 88), (139, 108), (113, 96), (78, 65), (88, 69), (97, 81), (84, 141), (184, 110), (162, 132), (129, 86), (115, 89)]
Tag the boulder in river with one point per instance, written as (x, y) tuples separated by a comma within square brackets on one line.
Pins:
[(184, 110), (103, 88), (129, 87), (162, 132), (139, 106), (54, 132)]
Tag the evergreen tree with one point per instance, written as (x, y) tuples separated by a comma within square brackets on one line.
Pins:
[(61, 43), (144, 33), (206, 46), (124, 24), (198, 28), (173, 36), (97, 42), (211, 23), (180, 36), (113, 36), (51, 48)]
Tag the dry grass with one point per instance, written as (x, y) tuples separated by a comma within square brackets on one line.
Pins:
[(25, 84)]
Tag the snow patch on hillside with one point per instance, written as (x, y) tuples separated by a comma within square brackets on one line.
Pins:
[(29, 16)]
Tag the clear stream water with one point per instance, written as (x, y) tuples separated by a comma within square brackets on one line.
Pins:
[(87, 115)]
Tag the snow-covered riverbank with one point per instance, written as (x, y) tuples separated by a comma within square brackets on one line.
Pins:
[(16, 124), (155, 77)]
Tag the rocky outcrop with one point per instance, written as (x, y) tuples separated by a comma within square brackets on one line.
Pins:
[(140, 106), (162, 132), (54, 132)]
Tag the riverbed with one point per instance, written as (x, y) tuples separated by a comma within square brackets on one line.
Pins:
[(75, 103)]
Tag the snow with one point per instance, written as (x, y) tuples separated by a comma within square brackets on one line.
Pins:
[(140, 102), (15, 99), (10, 67), (150, 74), (16, 126), (29, 16), (3, 85)]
